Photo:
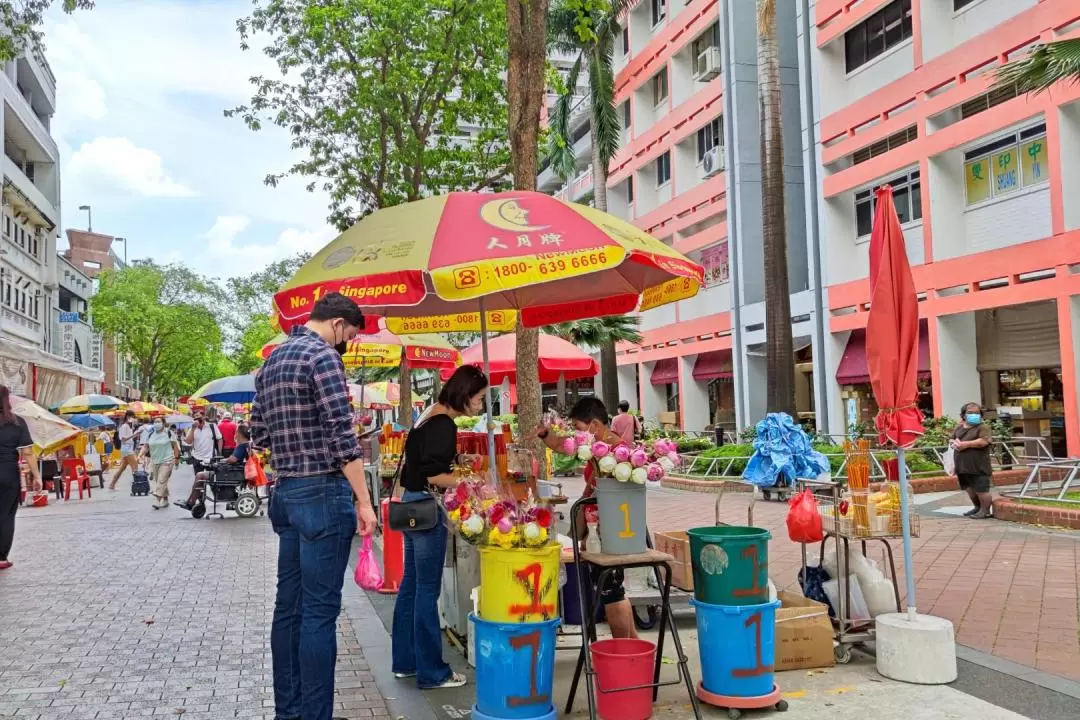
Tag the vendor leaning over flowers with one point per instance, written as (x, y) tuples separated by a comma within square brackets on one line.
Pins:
[(430, 454), (589, 415)]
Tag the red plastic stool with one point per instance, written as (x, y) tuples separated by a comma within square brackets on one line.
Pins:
[(75, 472)]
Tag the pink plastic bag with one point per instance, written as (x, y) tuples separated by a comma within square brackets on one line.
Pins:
[(368, 576)]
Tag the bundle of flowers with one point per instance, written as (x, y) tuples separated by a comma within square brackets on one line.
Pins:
[(482, 517), (638, 463)]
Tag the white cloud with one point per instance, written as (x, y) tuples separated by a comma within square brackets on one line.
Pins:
[(119, 163), (222, 249), (84, 98)]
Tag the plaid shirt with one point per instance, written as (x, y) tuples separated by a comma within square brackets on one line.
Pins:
[(302, 410)]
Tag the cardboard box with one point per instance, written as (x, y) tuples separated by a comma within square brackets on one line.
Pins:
[(804, 634), (676, 543)]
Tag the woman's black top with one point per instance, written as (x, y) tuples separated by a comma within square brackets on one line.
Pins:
[(973, 461), (429, 451), (13, 436)]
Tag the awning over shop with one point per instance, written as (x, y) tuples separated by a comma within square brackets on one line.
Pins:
[(665, 372), (713, 365), (853, 369)]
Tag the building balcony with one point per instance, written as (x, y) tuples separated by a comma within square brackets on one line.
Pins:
[(41, 78), (23, 126), (28, 198)]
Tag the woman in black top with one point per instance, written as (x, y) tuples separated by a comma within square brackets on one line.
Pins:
[(15, 442), (430, 451), (971, 453)]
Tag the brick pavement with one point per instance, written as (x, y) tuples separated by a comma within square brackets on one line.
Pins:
[(116, 611), (1010, 590)]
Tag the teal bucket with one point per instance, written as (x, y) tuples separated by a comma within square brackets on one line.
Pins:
[(621, 506), (730, 564)]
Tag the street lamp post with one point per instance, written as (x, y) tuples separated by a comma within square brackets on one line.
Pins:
[(89, 218), (125, 241)]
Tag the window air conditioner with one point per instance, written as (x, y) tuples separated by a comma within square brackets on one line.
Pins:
[(708, 64), (712, 162)]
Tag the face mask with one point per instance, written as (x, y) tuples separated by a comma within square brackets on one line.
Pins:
[(343, 346), (973, 418), (159, 427)]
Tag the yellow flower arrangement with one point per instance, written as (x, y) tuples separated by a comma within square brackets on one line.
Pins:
[(505, 540)]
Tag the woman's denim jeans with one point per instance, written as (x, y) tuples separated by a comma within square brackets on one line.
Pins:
[(417, 639)]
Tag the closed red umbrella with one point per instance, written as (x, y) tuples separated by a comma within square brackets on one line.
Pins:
[(557, 357), (892, 351)]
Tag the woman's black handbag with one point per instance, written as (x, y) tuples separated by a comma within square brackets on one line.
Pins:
[(423, 514)]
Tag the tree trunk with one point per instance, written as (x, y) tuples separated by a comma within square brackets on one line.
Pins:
[(526, 24), (779, 348), (575, 392), (405, 406), (560, 392), (609, 376), (599, 171), (436, 385)]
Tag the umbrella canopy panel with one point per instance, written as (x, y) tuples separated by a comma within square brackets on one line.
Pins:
[(90, 421), (557, 358), (235, 389), (379, 396), (384, 349), (89, 404), (48, 431)]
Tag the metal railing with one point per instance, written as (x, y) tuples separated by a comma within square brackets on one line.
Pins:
[(1049, 480)]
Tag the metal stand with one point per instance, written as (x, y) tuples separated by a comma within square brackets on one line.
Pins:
[(608, 564)]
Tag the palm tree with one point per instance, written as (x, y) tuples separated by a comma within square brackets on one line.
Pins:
[(599, 333), (780, 352), (1045, 66)]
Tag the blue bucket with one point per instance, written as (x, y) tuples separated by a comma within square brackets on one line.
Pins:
[(738, 647), (515, 669)]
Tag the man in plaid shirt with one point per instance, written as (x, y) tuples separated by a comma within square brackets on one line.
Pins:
[(302, 412)]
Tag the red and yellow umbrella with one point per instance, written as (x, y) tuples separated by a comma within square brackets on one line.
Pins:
[(384, 349), (516, 252), (148, 409)]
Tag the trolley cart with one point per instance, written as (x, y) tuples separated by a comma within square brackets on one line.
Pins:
[(846, 527)]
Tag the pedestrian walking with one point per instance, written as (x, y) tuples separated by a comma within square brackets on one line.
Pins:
[(162, 448), (128, 457), (15, 443), (303, 413), (971, 450), (430, 453)]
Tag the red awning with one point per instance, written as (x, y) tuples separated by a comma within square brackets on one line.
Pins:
[(713, 365), (665, 372), (853, 369)]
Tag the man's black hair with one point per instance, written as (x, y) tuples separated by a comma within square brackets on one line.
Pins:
[(335, 305), (129, 414), (588, 409), (463, 385), (624, 406)]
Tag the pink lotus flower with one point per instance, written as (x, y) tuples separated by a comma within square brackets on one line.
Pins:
[(622, 453), (673, 457), (600, 449), (569, 447), (505, 525), (656, 472), (638, 458), (582, 438)]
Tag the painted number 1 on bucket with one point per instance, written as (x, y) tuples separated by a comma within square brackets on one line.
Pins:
[(626, 533), (532, 641), (750, 552), (530, 577), (759, 668)]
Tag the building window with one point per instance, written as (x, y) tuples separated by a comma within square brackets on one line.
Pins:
[(663, 169), (659, 11), (626, 40), (708, 39), (1003, 166), (626, 115), (906, 196), (883, 30), (709, 137), (883, 146), (991, 99), (630, 190), (659, 88), (714, 260), (960, 4)]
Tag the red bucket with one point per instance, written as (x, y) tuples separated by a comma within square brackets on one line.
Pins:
[(623, 663)]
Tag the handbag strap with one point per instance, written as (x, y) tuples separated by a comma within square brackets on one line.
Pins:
[(397, 471)]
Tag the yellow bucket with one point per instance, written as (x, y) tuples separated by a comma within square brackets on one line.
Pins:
[(520, 585)]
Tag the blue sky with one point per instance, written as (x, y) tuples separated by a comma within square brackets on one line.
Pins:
[(141, 89)]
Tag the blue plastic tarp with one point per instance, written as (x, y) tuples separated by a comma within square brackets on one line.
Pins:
[(782, 449)]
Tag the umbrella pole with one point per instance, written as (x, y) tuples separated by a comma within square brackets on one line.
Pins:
[(905, 529), (492, 466), (363, 379)]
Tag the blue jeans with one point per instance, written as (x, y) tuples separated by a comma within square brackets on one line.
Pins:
[(416, 638), (315, 522)]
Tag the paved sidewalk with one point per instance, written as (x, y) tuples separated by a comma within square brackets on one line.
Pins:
[(114, 610), (1010, 590)]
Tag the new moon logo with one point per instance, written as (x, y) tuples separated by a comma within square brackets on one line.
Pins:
[(508, 215)]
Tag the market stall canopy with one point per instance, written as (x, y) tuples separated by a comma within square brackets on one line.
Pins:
[(665, 372), (179, 420), (149, 409), (714, 365), (234, 389), (853, 369), (90, 421), (384, 348), (557, 357), (435, 264), (379, 396), (89, 404), (49, 432)]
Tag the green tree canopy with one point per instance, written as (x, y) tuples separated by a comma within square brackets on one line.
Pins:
[(165, 319), (22, 20), (379, 95), (250, 299)]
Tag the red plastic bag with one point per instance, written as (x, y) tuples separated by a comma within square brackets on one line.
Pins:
[(803, 520), (253, 471), (367, 575)]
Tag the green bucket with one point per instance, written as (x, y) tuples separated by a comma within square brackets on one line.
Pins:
[(730, 564)]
